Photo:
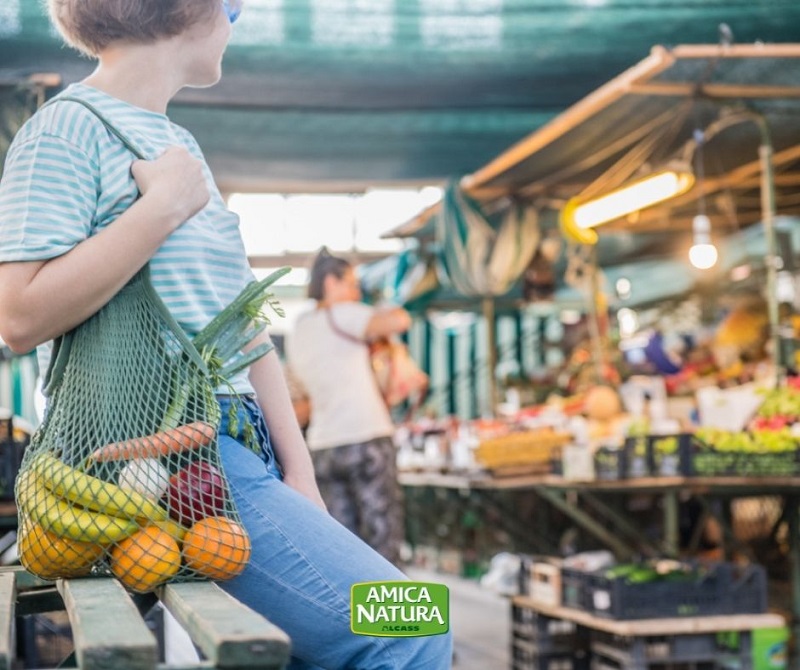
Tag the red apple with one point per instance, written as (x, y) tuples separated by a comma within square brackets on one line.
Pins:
[(196, 492)]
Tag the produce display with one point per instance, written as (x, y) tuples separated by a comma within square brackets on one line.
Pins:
[(662, 588), (769, 447), (525, 448)]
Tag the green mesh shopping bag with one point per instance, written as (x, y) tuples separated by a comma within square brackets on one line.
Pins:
[(123, 477)]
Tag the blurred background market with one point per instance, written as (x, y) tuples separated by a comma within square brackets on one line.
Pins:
[(591, 209)]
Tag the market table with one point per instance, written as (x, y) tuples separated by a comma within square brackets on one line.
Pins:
[(615, 530), (637, 644)]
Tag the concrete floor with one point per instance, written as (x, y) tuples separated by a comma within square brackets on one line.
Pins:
[(480, 620)]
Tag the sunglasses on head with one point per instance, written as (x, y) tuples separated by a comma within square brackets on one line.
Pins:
[(233, 8)]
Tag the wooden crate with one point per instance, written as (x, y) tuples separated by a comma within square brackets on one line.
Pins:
[(545, 584), (521, 451)]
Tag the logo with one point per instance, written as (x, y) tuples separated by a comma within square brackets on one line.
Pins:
[(399, 609)]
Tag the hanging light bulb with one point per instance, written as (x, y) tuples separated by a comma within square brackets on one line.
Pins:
[(703, 254)]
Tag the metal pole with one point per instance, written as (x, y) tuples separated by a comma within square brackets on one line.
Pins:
[(452, 374), (768, 215), (491, 354), (595, 335)]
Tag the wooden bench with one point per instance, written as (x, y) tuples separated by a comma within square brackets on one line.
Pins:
[(109, 631)]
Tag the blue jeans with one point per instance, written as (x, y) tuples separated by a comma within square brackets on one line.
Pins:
[(303, 565)]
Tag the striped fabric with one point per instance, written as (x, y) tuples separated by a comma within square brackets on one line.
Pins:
[(66, 177)]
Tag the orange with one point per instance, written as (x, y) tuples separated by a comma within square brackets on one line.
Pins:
[(48, 556), (146, 559), (173, 528), (216, 547)]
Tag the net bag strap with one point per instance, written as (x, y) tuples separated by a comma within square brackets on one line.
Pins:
[(341, 333), (114, 130), (62, 344)]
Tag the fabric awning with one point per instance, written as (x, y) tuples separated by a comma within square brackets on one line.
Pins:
[(338, 94)]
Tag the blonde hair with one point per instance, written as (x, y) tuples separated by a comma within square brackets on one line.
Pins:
[(92, 25)]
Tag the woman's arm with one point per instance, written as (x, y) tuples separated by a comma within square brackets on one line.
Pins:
[(266, 376), (40, 300), (387, 322)]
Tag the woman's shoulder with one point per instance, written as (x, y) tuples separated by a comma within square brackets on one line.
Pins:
[(307, 317), (352, 308), (64, 122)]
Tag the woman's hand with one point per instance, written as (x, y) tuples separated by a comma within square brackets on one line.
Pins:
[(40, 300), (175, 182), (305, 486)]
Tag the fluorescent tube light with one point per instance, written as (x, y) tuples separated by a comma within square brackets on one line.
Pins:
[(638, 195)]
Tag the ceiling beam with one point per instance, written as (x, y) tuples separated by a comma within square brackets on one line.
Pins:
[(736, 91), (305, 258), (689, 51)]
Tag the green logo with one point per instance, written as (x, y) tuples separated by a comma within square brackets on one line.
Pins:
[(399, 609)]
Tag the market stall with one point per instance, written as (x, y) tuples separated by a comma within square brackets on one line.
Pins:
[(646, 411)]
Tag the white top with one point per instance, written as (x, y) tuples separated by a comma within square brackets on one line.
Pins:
[(346, 405)]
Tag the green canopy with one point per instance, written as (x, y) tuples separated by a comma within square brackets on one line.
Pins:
[(321, 94)]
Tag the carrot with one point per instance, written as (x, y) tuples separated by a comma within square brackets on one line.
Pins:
[(172, 441)]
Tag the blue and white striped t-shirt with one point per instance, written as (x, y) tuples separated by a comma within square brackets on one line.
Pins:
[(66, 177)]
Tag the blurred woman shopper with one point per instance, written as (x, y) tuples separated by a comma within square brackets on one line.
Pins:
[(79, 216), (350, 430)]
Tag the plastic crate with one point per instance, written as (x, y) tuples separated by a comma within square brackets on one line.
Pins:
[(576, 588), (658, 455), (637, 457), (670, 455), (658, 651), (523, 658), (546, 635), (724, 589), (610, 464), (708, 462)]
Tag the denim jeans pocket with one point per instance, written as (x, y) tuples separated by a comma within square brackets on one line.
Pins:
[(247, 411)]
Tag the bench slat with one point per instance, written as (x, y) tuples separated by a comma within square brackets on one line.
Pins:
[(107, 629), (26, 580), (36, 601), (230, 634), (8, 596)]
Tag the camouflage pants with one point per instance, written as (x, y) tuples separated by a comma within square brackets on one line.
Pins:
[(358, 483)]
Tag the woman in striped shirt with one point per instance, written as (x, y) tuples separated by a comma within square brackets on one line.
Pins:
[(80, 216)]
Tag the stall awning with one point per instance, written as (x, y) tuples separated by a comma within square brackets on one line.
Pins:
[(721, 92), (321, 94)]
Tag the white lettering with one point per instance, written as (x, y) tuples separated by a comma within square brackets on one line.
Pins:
[(395, 613)]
